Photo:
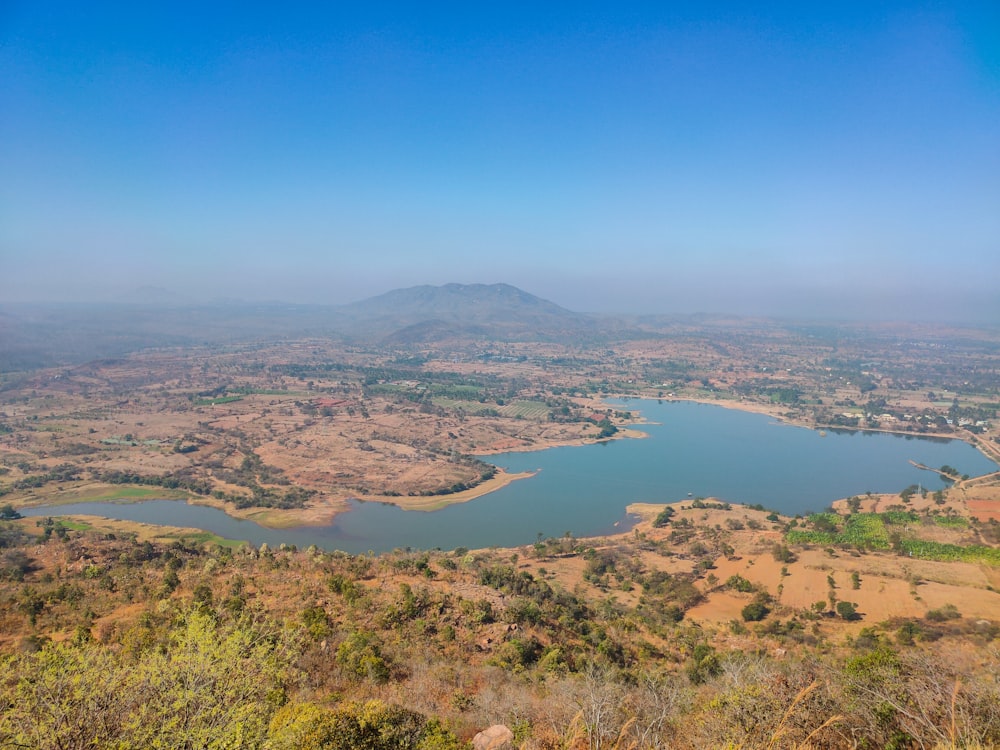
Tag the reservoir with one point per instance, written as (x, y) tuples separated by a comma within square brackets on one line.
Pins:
[(693, 450)]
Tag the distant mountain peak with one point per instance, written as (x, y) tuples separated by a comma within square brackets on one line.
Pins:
[(498, 310)]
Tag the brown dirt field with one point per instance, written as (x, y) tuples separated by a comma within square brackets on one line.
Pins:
[(882, 595), (983, 502), (721, 607), (890, 586)]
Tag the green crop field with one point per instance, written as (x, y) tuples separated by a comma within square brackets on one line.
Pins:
[(537, 410), (868, 531), (899, 517), (865, 530), (217, 400), (957, 522), (973, 553), (862, 530), (457, 392)]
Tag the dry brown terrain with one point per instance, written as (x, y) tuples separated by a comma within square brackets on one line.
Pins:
[(285, 432)]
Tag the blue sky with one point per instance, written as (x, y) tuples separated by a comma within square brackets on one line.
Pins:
[(786, 160)]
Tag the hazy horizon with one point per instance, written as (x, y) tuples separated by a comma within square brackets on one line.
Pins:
[(838, 162)]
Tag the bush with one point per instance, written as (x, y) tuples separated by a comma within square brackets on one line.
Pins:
[(739, 583), (781, 553), (663, 517), (847, 610), (360, 656), (754, 612), (7, 513), (947, 612), (373, 725)]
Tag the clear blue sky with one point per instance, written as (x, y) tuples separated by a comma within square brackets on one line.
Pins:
[(797, 158)]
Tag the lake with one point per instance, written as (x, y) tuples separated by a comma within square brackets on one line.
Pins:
[(692, 450)]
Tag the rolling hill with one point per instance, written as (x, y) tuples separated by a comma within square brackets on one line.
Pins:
[(431, 313)]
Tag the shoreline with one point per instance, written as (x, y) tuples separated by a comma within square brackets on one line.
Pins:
[(319, 514), (974, 440), (323, 511), (624, 433), (436, 502)]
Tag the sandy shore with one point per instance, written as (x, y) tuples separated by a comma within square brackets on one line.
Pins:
[(436, 502), (625, 433)]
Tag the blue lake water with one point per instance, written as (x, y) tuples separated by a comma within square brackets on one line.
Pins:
[(695, 449)]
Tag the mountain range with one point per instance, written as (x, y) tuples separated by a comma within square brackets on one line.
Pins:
[(36, 335)]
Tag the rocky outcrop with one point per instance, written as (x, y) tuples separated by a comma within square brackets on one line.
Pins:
[(496, 737)]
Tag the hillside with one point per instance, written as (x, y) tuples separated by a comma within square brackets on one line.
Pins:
[(707, 626), (45, 335), (498, 311)]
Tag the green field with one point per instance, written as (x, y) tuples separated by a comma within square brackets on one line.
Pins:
[(862, 530), (69, 523), (202, 538), (119, 494), (217, 400), (973, 553), (537, 410), (868, 531), (955, 522)]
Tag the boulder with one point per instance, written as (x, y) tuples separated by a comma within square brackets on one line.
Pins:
[(496, 737)]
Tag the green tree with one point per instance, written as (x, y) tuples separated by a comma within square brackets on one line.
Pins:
[(360, 656), (7, 513), (754, 612), (663, 517), (847, 610), (207, 686)]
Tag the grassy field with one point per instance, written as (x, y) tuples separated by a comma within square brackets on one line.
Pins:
[(201, 538), (217, 400), (99, 493)]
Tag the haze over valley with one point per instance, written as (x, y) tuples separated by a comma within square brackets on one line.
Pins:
[(438, 377)]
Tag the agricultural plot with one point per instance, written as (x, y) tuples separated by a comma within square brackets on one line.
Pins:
[(860, 530), (868, 531), (537, 410), (216, 400), (927, 550), (533, 410)]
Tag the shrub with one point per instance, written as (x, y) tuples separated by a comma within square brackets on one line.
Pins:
[(754, 612), (739, 583), (847, 610), (663, 517), (360, 656), (947, 612)]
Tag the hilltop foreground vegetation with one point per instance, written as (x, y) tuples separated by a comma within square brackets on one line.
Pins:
[(687, 632)]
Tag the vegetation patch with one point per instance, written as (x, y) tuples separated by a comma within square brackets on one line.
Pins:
[(927, 550), (216, 400), (860, 530)]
